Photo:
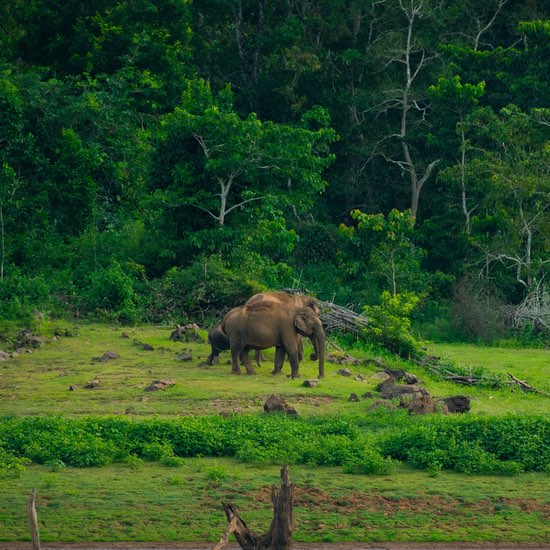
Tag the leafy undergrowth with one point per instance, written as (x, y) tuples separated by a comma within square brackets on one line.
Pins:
[(364, 445)]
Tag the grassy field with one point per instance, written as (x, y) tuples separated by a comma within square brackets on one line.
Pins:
[(152, 502), (39, 383)]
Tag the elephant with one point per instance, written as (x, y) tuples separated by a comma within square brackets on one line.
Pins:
[(296, 300), (218, 341), (267, 324)]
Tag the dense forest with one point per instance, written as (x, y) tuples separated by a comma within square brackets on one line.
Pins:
[(164, 159)]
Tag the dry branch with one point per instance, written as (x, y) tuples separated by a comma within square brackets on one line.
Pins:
[(338, 318)]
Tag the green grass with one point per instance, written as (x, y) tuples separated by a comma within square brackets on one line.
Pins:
[(38, 383), (152, 502), (155, 503), (529, 365)]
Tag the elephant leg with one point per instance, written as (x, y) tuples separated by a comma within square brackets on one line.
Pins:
[(245, 358), (280, 353), (213, 358), (294, 362), (300, 348), (235, 361)]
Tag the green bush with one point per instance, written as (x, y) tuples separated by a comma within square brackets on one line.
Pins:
[(390, 323), (370, 463), (490, 445), (111, 290)]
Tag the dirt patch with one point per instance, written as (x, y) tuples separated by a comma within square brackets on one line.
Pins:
[(357, 501)]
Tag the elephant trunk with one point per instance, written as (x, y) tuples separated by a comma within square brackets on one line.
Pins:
[(320, 350)]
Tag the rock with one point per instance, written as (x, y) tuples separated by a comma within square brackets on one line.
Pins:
[(344, 372), (353, 397), (107, 356), (185, 356), (380, 375), (419, 403), (26, 339), (186, 333), (359, 378), (125, 335), (130, 410), (93, 385), (400, 374), (411, 396), (275, 403), (4, 356), (72, 388), (457, 404), (367, 395), (142, 345), (160, 385), (311, 383)]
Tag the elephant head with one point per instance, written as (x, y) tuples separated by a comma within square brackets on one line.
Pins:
[(308, 324)]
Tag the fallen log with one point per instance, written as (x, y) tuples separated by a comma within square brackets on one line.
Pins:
[(279, 534)]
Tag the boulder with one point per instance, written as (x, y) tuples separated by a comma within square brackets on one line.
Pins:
[(344, 372), (185, 356), (186, 333), (275, 403), (107, 356), (160, 385), (353, 397), (311, 383), (142, 345), (457, 404), (400, 374)]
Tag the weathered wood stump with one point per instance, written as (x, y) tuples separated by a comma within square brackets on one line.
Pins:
[(33, 520), (279, 535)]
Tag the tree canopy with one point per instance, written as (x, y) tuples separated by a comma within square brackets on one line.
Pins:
[(348, 148)]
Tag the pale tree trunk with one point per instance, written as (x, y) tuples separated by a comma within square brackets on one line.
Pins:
[(411, 12)]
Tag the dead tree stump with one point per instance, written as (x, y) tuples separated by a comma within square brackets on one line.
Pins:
[(279, 535)]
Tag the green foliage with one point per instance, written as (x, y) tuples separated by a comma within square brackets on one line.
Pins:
[(474, 444), (203, 289), (505, 445), (390, 323), (111, 290)]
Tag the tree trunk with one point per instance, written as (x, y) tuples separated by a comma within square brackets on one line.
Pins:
[(279, 535)]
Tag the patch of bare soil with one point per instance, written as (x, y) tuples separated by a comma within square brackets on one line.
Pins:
[(355, 500)]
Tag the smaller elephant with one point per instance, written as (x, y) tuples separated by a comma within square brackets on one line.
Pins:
[(218, 341)]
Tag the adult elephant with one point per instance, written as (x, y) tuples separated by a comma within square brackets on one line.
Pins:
[(268, 324), (295, 300)]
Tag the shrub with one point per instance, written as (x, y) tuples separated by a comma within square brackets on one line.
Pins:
[(390, 323)]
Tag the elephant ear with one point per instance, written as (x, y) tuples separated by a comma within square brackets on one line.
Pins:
[(300, 323)]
